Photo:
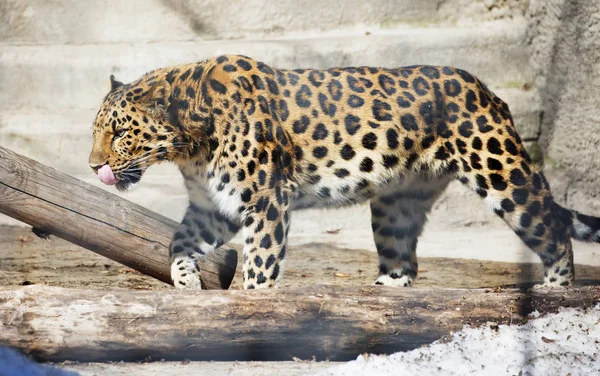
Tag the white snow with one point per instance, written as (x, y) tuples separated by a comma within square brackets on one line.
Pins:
[(565, 343)]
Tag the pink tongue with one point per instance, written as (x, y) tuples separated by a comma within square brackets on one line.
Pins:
[(106, 175)]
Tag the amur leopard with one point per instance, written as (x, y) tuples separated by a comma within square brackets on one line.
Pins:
[(254, 143)]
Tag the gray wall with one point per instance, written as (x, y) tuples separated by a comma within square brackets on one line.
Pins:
[(540, 56), (565, 39)]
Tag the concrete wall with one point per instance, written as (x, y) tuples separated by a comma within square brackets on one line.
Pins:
[(565, 36), (56, 56), (143, 21)]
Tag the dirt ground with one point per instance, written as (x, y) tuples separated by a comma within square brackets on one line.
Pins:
[(27, 259)]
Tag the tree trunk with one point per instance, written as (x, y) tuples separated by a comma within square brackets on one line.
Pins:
[(338, 323), (97, 220)]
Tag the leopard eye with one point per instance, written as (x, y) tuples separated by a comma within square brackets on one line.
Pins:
[(120, 132)]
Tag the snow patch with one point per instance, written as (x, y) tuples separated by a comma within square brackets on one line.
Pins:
[(567, 342)]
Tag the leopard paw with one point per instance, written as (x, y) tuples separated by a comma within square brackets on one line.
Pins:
[(394, 279), (185, 274), (553, 284)]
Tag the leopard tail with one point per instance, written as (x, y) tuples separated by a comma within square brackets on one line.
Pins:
[(581, 227)]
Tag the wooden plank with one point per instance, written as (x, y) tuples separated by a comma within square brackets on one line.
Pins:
[(337, 323), (98, 220)]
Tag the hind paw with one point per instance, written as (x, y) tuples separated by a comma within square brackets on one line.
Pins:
[(552, 283)]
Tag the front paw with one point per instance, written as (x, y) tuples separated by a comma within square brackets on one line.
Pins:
[(186, 274), (395, 280)]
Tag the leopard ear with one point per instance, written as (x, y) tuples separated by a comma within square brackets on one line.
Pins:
[(156, 99), (114, 83)]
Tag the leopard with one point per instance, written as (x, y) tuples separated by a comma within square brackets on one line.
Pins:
[(254, 143)]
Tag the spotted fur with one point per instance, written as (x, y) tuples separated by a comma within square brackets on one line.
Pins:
[(254, 143)]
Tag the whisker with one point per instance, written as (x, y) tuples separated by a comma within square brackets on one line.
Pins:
[(148, 156), (157, 154)]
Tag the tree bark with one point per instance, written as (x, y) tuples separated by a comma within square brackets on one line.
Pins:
[(95, 219), (337, 323)]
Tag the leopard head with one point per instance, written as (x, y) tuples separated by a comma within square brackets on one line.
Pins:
[(132, 131)]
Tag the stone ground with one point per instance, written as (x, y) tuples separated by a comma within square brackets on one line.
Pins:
[(26, 259)]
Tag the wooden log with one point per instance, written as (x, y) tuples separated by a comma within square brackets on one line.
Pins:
[(98, 220), (337, 323)]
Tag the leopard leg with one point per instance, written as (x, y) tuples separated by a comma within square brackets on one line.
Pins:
[(397, 219), (265, 232), (202, 230), (521, 197)]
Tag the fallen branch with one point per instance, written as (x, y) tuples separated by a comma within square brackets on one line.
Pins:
[(338, 323), (95, 219)]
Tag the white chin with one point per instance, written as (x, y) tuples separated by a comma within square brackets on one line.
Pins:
[(130, 187), (125, 187)]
